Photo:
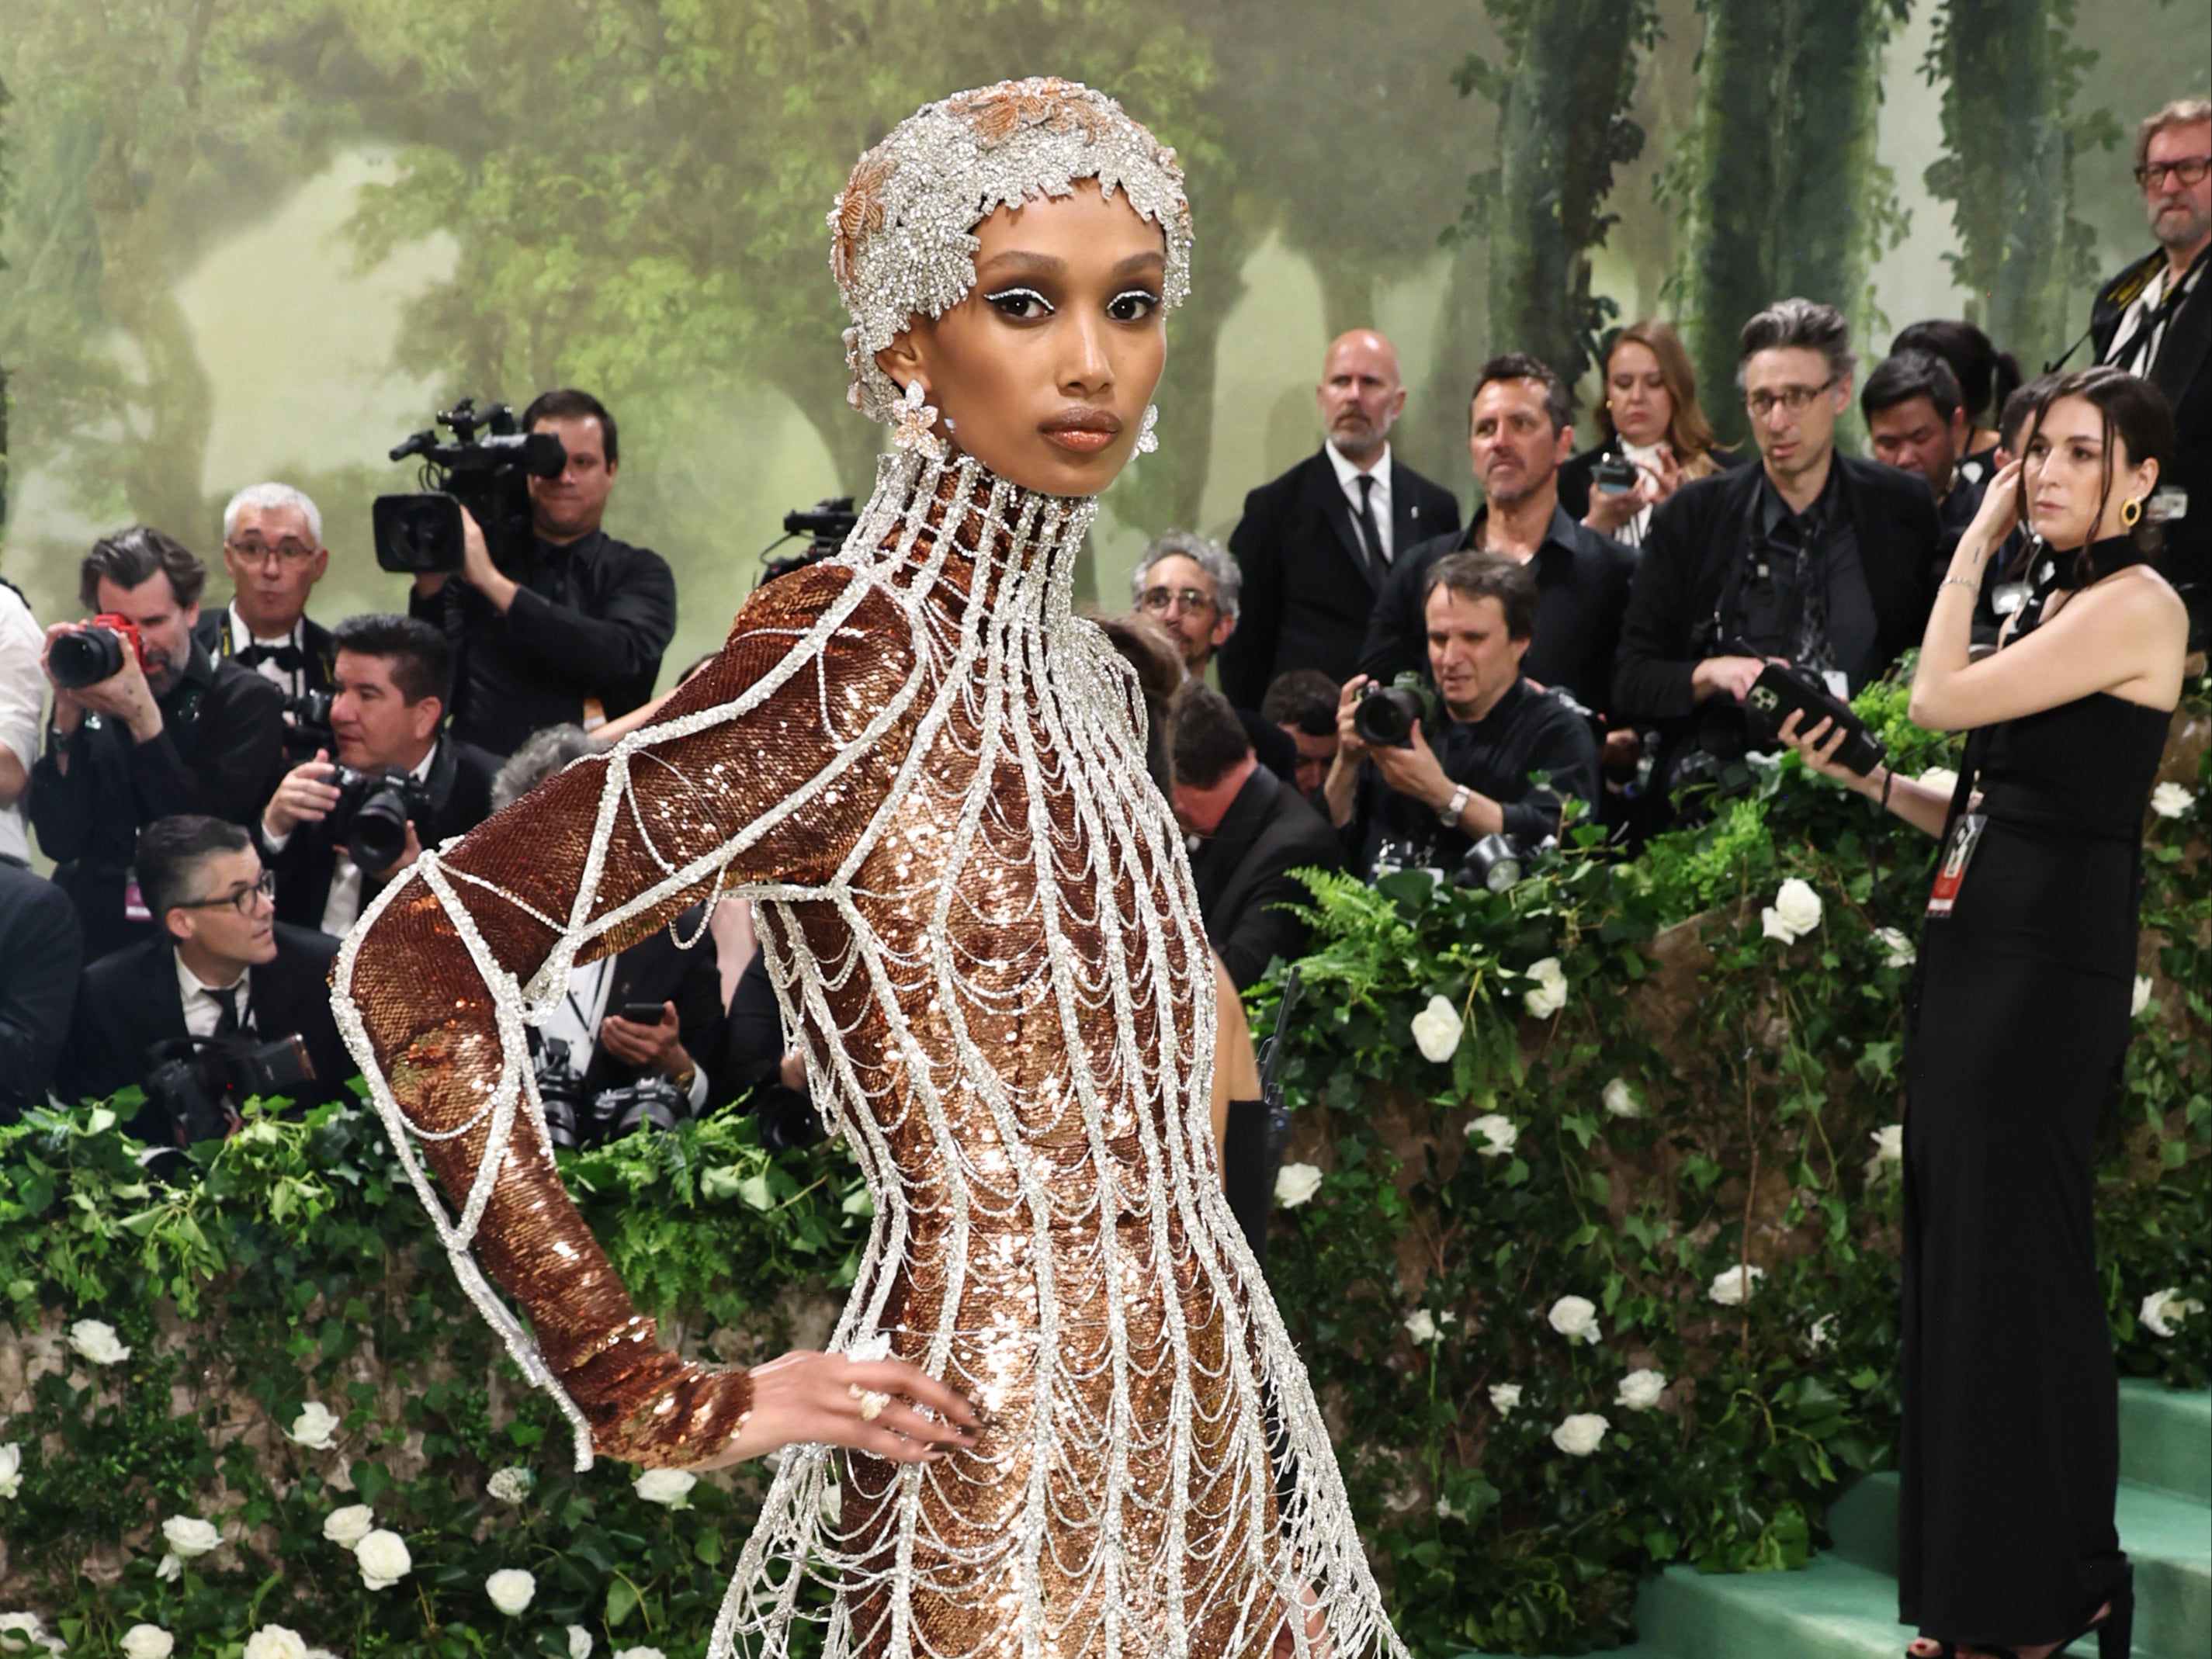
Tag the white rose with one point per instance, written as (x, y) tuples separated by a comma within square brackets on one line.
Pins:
[(169, 1570), (1578, 1436), (669, 1487), (640, 1653), (1888, 1144), (1941, 779), (1421, 1326), (347, 1527), (188, 1535), (26, 1626), (579, 1643), (1640, 1389), (1295, 1183), (1575, 1318), (1897, 946), (1498, 1135), (147, 1642), (1823, 1333), (2141, 999), (383, 1559), (274, 1642), (1620, 1100), (512, 1484), (1551, 993), (1504, 1397), (2161, 1309), (96, 1341), (314, 1426), (1437, 1029), (2171, 801), (1795, 913), (510, 1590), (11, 1470), (1734, 1287)]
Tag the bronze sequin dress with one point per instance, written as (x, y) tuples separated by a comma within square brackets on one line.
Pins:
[(929, 777)]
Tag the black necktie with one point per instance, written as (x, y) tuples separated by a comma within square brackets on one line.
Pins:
[(286, 656), (1369, 532), (226, 1006)]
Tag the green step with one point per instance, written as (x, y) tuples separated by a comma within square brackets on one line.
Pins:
[(2166, 1439)]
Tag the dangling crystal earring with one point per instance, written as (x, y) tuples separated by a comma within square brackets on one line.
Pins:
[(1146, 443), (916, 418)]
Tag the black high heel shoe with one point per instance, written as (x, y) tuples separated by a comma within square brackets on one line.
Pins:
[(2115, 1626)]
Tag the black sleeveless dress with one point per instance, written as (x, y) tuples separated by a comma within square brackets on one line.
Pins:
[(2009, 1451)]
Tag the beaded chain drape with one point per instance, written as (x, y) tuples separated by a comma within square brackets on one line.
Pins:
[(929, 777)]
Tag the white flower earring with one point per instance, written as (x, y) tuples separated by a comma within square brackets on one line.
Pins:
[(915, 426), (1146, 443)]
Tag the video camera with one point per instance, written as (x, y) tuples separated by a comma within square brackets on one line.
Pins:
[(192, 1078), (94, 652), (826, 524), (489, 476), (1384, 714)]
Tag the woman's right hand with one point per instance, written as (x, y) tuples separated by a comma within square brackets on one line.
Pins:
[(808, 1396), (1817, 749)]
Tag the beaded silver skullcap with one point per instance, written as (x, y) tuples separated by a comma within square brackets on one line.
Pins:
[(901, 240)]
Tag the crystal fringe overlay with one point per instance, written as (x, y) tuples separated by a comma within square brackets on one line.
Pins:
[(928, 775)]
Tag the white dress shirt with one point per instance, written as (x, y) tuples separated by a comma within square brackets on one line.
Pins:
[(203, 1010), (22, 698), (1347, 479), (291, 682)]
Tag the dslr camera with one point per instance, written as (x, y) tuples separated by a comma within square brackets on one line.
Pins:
[(307, 727), (370, 820), (575, 1117), (192, 1078), (490, 476), (94, 651), (1384, 714)]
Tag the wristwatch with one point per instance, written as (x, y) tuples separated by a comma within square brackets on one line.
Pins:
[(1448, 814)]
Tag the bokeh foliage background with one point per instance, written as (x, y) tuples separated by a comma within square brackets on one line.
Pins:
[(254, 238)]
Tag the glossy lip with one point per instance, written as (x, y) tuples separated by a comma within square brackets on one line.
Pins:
[(1080, 430)]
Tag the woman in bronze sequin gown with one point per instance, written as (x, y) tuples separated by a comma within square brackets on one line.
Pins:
[(928, 776)]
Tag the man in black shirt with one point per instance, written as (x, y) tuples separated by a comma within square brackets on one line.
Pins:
[(172, 732), (1518, 434), (573, 635), (1424, 805), (1916, 419)]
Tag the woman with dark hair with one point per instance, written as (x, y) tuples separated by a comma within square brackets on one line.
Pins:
[(1987, 377), (2010, 1443), (1649, 418)]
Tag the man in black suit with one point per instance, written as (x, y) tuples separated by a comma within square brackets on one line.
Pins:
[(171, 730), (272, 546), (224, 971), (40, 949), (1250, 830), (2155, 319), (392, 677), (1818, 559), (1316, 544), (674, 970)]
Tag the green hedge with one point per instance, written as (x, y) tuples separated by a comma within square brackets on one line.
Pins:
[(1418, 1273)]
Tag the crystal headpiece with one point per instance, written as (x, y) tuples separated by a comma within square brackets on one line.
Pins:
[(900, 240)]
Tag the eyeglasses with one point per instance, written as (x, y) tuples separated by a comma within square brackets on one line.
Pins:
[(1795, 398), (2189, 170), (287, 552), (1159, 601), (245, 901)]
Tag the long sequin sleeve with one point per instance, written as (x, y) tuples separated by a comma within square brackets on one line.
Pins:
[(764, 766)]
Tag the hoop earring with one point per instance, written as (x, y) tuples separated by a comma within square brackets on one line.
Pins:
[(2131, 511), (915, 419)]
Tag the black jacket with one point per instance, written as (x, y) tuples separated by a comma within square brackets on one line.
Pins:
[(223, 731), (1581, 583), (591, 622), (40, 949), (1700, 529), (320, 651), (1308, 589), (128, 1001), (1243, 872), (655, 969), (2183, 371), (460, 787)]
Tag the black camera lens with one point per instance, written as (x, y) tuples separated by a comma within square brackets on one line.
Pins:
[(376, 828), (1384, 716), (85, 657)]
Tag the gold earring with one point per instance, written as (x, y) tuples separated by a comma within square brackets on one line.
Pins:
[(2130, 510)]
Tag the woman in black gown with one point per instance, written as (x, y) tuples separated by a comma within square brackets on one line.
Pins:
[(2010, 1443)]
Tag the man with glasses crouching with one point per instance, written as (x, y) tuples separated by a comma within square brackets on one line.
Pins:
[(1188, 584), (225, 1003)]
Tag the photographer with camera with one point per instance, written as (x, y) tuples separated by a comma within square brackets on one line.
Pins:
[(561, 625), (337, 830), (623, 1049), (146, 725), (1404, 798), (1917, 421), (226, 1003), (272, 546), (1819, 559)]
